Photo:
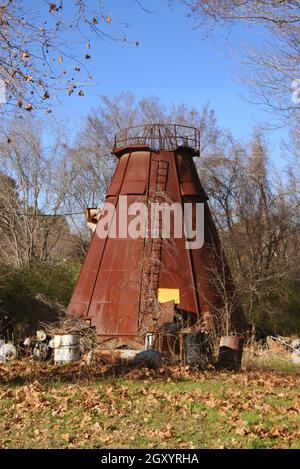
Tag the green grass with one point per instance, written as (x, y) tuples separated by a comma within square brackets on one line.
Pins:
[(43, 406)]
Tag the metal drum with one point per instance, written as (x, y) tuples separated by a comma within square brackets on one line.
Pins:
[(66, 348)]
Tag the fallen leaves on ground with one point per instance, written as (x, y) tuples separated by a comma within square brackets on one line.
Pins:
[(43, 405)]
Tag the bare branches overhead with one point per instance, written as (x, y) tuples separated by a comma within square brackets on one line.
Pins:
[(47, 51), (271, 66)]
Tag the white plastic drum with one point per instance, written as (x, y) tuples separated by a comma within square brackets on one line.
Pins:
[(66, 348), (7, 352)]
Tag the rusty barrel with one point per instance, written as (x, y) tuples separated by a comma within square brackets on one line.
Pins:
[(230, 353)]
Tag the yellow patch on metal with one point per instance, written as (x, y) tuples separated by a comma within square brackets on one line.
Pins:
[(168, 294)]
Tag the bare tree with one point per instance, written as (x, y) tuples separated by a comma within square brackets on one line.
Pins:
[(34, 185), (46, 51), (223, 300), (256, 212), (275, 63)]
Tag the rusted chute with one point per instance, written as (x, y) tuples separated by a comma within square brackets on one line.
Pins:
[(130, 287)]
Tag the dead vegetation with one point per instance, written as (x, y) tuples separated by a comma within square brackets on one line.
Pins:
[(72, 325), (274, 354)]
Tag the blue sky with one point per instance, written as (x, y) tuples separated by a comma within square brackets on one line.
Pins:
[(173, 61)]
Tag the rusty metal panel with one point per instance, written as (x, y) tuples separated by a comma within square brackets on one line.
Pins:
[(83, 292), (136, 176), (185, 173), (117, 289), (113, 341), (118, 176), (171, 188), (176, 262), (188, 188), (201, 261), (188, 177), (115, 318)]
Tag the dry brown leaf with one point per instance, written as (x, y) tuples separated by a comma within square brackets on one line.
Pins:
[(52, 7), (25, 55)]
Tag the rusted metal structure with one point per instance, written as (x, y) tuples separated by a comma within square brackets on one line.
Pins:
[(136, 292)]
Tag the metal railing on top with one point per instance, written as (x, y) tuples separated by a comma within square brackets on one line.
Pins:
[(159, 137)]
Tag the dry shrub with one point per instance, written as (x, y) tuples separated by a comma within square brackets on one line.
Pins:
[(72, 325), (271, 355)]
